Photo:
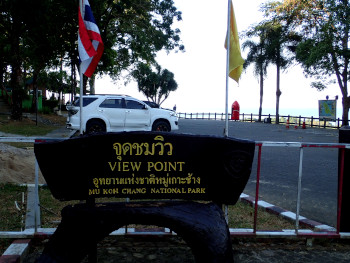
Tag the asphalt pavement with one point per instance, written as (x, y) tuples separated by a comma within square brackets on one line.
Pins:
[(280, 165)]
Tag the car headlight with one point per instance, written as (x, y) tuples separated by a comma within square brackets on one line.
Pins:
[(72, 112), (173, 114)]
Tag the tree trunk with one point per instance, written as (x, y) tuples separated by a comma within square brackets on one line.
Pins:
[(74, 81), (16, 93), (35, 88), (261, 93), (35, 96), (92, 84), (278, 94), (346, 99), (16, 70), (85, 80), (346, 107), (2, 70)]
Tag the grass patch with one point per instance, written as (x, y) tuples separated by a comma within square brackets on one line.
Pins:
[(241, 215), (22, 145), (28, 127), (4, 244), (10, 217), (50, 208)]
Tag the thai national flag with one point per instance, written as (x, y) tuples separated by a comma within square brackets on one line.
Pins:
[(90, 45)]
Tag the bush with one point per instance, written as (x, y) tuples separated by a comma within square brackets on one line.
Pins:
[(51, 104), (47, 110)]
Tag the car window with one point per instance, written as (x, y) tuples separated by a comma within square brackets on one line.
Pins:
[(86, 101), (151, 104), (112, 103), (133, 104)]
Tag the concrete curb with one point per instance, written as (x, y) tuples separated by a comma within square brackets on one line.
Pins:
[(16, 252), (303, 221), (30, 213)]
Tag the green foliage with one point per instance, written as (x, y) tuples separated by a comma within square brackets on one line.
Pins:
[(258, 57), (47, 110), (318, 85), (134, 31), (39, 36), (156, 86), (49, 105), (36, 35), (276, 45), (324, 50), (57, 81)]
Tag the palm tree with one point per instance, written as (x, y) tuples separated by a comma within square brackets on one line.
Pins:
[(257, 56), (280, 39)]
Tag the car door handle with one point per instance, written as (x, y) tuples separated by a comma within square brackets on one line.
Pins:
[(101, 110), (127, 111)]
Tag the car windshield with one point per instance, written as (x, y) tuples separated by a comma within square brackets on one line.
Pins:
[(86, 101)]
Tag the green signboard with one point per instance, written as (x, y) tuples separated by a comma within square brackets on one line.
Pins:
[(327, 109)]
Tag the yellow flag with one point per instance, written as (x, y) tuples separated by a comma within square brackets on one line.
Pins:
[(235, 59)]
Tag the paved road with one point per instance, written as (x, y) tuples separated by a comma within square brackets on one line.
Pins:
[(280, 165)]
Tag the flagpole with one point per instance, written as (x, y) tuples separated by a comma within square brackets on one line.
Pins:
[(81, 82), (227, 66)]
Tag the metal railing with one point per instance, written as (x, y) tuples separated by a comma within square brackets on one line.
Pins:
[(299, 121), (234, 232), (301, 146)]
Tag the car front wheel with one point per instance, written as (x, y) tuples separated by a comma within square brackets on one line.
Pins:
[(95, 126), (161, 126)]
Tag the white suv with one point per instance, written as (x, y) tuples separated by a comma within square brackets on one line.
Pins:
[(115, 113)]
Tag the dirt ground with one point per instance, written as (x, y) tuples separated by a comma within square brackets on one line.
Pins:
[(17, 165)]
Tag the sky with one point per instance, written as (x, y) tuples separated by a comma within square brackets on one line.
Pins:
[(201, 71)]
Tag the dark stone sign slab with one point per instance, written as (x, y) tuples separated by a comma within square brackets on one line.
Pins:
[(202, 227), (146, 165)]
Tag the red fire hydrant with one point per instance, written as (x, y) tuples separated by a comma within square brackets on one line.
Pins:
[(235, 111)]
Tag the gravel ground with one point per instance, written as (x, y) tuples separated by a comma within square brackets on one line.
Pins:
[(126, 249)]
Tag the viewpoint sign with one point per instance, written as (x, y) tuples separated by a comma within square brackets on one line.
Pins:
[(327, 109), (146, 165)]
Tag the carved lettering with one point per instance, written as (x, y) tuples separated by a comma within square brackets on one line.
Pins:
[(125, 166), (94, 191), (133, 191), (110, 191), (156, 148), (135, 166), (196, 190), (165, 166), (168, 191)]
